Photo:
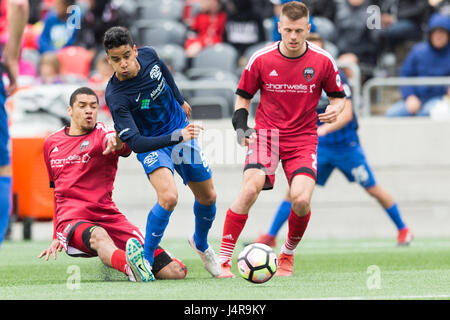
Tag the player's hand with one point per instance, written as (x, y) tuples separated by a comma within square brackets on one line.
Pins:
[(322, 130), (192, 131), (113, 144), (246, 138), (330, 114), (55, 247), (187, 109)]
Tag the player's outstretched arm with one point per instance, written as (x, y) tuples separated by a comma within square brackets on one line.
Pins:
[(343, 118), (55, 247), (333, 110), (113, 144), (18, 11), (245, 134)]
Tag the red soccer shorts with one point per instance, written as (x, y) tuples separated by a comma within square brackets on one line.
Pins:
[(74, 236), (267, 151)]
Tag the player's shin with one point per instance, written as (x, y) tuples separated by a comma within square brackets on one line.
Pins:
[(297, 227), (234, 223), (204, 217), (157, 221), (5, 204)]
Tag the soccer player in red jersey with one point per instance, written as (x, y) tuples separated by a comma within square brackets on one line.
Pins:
[(82, 162), (290, 75)]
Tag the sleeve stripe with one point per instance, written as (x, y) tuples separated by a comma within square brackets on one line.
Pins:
[(259, 53), (317, 49), (243, 94)]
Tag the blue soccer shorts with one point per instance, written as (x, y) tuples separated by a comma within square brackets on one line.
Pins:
[(186, 158), (351, 161)]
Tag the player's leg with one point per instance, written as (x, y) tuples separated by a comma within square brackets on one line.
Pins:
[(5, 173), (205, 213), (389, 205), (163, 182), (236, 216), (301, 190)]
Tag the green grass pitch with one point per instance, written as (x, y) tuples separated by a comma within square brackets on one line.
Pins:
[(324, 269)]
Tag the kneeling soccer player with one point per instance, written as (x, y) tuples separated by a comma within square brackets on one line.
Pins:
[(86, 220)]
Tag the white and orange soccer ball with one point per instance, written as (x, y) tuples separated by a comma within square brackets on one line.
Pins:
[(257, 263)]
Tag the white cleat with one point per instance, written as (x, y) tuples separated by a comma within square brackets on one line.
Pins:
[(209, 259), (140, 268)]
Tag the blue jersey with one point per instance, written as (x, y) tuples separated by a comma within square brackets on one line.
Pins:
[(149, 104), (347, 135), (4, 135)]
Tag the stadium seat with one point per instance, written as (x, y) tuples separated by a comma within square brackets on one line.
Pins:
[(212, 107), (160, 9), (226, 95), (83, 58), (160, 32), (221, 56), (325, 28), (173, 55)]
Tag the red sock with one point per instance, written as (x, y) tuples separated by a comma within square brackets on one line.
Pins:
[(234, 223), (119, 261), (297, 227)]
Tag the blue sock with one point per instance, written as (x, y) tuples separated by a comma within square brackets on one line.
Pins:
[(280, 217), (394, 214), (204, 217), (157, 221), (5, 204)]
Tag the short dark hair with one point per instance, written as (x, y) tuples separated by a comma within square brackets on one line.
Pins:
[(295, 10), (82, 90), (117, 36)]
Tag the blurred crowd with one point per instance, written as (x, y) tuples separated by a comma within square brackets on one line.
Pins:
[(63, 40)]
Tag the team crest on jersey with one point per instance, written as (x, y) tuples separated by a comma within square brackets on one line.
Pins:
[(84, 145), (155, 73), (308, 73)]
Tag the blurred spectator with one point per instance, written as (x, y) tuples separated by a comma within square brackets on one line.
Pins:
[(58, 33), (100, 16), (207, 27), (49, 69), (403, 20), (354, 38), (441, 6), (321, 8), (102, 72), (277, 4), (428, 58), (243, 27)]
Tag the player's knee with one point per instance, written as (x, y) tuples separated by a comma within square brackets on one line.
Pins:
[(207, 199), (98, 237), (300, 205), (168, 200), (249, 192)]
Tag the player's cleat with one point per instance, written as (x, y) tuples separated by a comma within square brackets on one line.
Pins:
[(226, 271), (267, 239), (285, 265), (404, 237), (140, 268), (209, 258)]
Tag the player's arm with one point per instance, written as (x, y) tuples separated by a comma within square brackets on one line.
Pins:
[(245, 134), (343, 118), (18, 11), (129, 133)]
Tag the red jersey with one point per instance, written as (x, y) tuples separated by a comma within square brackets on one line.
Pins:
[(290, 89), (82, 176)]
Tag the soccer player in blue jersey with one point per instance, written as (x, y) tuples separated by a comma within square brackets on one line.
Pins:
[(17, 19), (339, 148), (151, 116)]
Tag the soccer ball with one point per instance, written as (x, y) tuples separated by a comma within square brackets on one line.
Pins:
[(257, 263)]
